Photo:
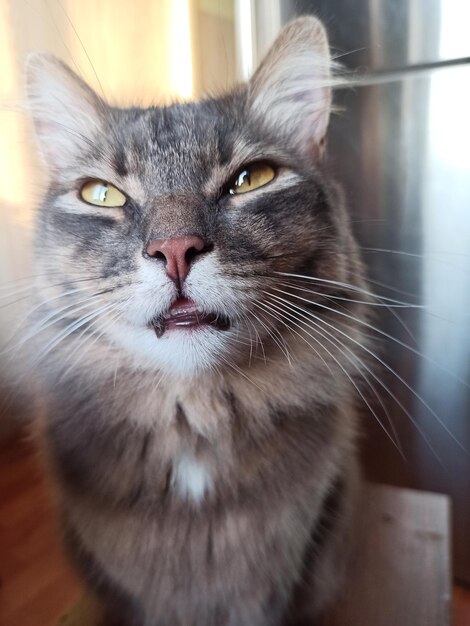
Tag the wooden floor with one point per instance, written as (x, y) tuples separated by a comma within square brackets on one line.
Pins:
[(36, 584)]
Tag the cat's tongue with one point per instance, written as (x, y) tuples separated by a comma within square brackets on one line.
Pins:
[(185, 314)]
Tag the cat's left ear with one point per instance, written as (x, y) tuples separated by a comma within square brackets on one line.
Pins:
[(291, 89), (66, 112)]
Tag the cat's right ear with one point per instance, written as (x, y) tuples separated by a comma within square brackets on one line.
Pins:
[(66, 112), (290, 92)]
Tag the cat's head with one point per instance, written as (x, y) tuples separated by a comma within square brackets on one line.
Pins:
[(171, 231)]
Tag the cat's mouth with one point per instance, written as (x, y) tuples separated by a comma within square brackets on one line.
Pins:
[(184, 315)]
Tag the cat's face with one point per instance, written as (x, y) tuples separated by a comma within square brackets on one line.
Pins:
[(165, 228)]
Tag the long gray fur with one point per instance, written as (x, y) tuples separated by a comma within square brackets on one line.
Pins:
[(262, 537)]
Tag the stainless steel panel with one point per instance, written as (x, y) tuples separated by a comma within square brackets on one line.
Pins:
[(384, 34), (401, 151)]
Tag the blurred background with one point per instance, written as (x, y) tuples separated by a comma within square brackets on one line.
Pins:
[(400, 146)]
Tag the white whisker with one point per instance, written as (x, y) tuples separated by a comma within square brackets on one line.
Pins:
[(291, 316), (367, 302), (276, 317), (383, 363), (72, 328), (270, 331), (390, 308), (83, 338), (49, 320), (337, 283), (378, 331)]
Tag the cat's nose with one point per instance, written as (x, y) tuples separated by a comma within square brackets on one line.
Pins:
[(178, 253)]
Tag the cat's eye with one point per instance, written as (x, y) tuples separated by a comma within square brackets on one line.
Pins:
[(100, 193), (252, 177)]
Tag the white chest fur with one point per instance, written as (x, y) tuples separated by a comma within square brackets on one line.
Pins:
[(191, 478)]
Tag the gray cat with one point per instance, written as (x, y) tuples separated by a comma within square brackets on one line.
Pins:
[(199, 383)]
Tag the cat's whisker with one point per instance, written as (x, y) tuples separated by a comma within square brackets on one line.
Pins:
[(406, 412), (373, 389), (371, 373), (267, 309), (360, 274), (394, 436), (41, 324), (290, 317), (344, 298), (251, 350), (331, 298), (385, 305), (384, 386), (30, 278), (243, 337), (416, 255), (84, 343), (54, 312), (32, 289), (376, 394), (381, 361), (271, 330), (72, 328), (159, 380), (83, 48), (275, 334), (249, 326), (246, 344), (403, 324), (16, 301), (116, 366), (239, 371), (378, 331), (335, 57), (15, 292), (54, 316), (430, 257), (330, 281), (391, 288), (259, 341), (61, 336)]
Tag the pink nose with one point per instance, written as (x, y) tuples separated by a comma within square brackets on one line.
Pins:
[(177, 252)]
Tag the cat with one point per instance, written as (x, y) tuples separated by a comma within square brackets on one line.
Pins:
[(199, 411)]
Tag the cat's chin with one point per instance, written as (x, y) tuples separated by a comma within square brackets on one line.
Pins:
[(180, 351)]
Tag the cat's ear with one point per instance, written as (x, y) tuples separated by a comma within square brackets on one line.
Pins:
[(66, 112), (291, 89)]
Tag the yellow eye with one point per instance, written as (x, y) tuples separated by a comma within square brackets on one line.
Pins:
[(100, 193), (252, 177)]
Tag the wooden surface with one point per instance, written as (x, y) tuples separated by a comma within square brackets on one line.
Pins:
[(86, 612), (400, 570), (36, 582), (461, 606), (400, 573)]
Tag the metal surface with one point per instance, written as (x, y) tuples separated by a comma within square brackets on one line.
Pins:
[(401, 151), (385, 34)]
